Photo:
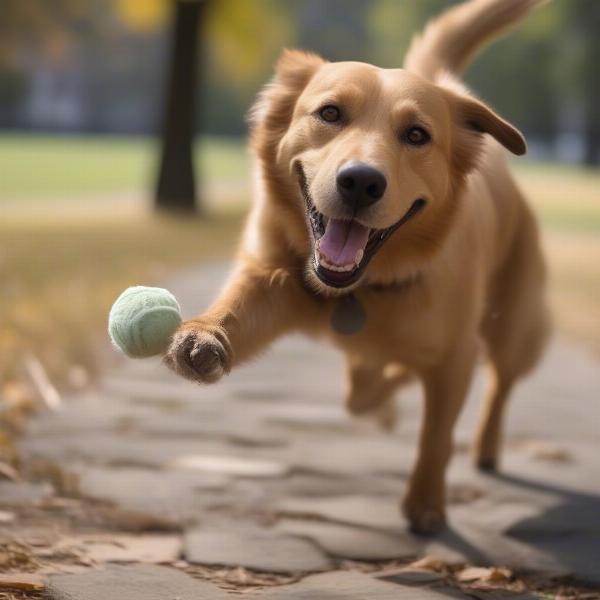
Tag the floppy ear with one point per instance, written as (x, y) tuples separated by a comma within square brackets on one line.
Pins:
[(294, 68), (275, 104), (472, 118), (482, 119)]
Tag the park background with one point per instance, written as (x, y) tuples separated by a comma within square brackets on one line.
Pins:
[(85, 116)]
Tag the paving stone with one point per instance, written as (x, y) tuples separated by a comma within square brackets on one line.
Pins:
[(132, 450), (367, 511), (21, 492), (230, 465), (350, 585), (344, 541), (353, 455), (119, 548), (572, 514), (141, 582), (577, 554), (466, 543), (259, 549), (310, 416), (410, 576), (498, 514), (315, 485), (242, 429), (90, 413), (170, 494)]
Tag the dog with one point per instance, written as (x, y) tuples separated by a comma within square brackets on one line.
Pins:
[(386, 220)]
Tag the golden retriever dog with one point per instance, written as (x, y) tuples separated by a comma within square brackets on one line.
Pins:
[(386, 220)]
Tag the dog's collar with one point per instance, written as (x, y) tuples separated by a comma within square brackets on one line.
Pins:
[(395, 286)]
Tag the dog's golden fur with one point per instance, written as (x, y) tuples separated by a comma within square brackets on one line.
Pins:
[(464, 276)]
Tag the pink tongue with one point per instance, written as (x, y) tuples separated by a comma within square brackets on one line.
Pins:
[(342, 240)]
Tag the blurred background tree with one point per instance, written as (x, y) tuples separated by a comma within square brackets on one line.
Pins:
[(176, 188)]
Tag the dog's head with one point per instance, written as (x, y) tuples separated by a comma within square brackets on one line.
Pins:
[(374, 157)]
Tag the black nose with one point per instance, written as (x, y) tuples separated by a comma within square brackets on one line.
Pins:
[(360, 185)]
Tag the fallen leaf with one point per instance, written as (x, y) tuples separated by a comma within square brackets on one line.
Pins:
[(8, 472), (543, 450), (26, 582), (485, 574), (430, 563), (6, 517), (499, 575)]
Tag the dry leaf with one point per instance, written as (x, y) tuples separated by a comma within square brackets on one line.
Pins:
[(7, 517), (485, 574), (543, 450), (430, 563), (8, 472), (26, 582)]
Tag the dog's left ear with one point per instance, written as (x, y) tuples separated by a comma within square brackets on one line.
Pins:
[(472, 119), (482, 119)]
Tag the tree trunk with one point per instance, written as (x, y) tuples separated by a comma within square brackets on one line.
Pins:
[(176, 190), (589, 24)]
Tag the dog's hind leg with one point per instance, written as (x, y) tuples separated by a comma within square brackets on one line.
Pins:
[(371, 388), (515, 332)]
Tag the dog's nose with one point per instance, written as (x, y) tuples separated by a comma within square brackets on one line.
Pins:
[(360, 185)]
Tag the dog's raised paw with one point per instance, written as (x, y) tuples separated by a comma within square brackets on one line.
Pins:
[(198, 354)]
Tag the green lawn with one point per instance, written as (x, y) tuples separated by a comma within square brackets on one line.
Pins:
[(566, 197), (36, 167)]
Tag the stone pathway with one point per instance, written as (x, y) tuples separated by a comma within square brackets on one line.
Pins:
[(266, 471)]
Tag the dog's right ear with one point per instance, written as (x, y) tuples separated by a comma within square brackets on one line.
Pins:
[(294, 68), (274, 106)]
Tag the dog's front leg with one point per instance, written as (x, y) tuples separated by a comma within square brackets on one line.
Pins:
[(255, 307), (446, 387)]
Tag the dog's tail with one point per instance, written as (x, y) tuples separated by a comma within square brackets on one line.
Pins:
[(450, 42)]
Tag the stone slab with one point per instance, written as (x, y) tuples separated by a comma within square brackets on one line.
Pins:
[(167, 494), (258, 549), (354, 543), (351, 585), (366, 511), (21, 492), (140, 582)]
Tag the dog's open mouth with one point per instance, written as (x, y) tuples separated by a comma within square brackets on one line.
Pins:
[(342, 249)]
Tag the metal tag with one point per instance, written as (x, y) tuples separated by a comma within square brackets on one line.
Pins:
[(349, 315)]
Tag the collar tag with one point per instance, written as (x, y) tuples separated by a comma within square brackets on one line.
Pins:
[(349, 315)]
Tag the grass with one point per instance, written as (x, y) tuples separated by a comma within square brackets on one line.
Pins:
[(44, 168), (566, 198)]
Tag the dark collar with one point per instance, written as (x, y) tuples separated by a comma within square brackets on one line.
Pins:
[(394, 286)]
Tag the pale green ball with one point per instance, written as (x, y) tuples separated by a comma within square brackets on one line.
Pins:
[(142, 321)]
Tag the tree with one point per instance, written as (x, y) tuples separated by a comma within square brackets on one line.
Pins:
[(588, 28), (176, 189)]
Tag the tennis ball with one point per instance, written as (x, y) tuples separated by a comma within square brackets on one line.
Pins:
[(142, 321)]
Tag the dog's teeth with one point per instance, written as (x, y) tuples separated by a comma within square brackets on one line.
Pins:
[(359, 256), (331, 267)]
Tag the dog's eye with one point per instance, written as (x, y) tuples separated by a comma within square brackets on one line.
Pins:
[(330, 113), (416, 136)]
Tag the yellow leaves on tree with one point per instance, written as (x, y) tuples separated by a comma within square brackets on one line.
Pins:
[(142, 16)]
